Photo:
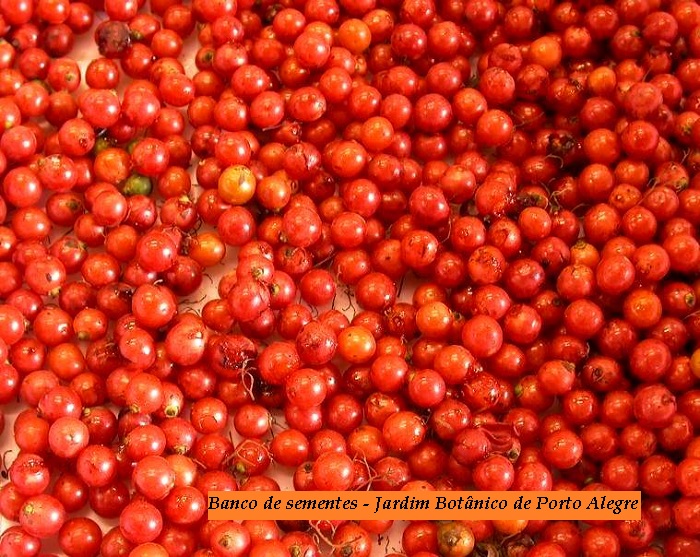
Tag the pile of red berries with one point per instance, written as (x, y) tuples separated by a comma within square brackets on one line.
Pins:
[(531, 169)]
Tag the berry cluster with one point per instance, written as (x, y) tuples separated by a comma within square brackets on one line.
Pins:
[(506, 194)]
